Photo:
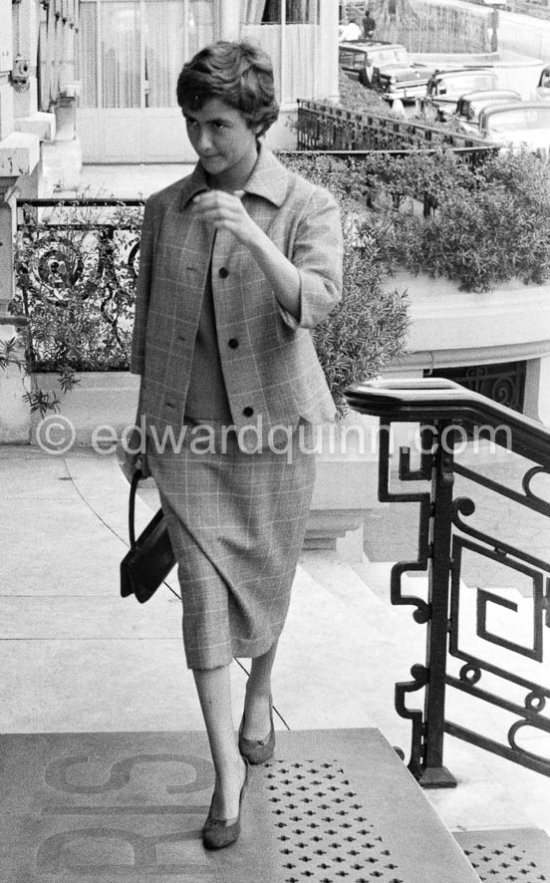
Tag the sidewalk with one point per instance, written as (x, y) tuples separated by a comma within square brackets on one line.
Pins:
[(80, 659), (126, 181)]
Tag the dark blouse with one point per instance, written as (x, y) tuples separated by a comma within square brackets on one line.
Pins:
[(207, 396)]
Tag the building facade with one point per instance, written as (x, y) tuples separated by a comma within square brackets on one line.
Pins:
[(131, 52), (38, 40)]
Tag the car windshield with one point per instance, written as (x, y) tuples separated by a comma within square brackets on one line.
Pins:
[(466, 84), (349, 58), (476, 106), (394, 55), (531, 118)]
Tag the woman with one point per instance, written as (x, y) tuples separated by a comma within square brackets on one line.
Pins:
[(238, 260)]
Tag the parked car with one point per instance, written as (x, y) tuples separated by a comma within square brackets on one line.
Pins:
[(519, 124), (470, 105), (444, 88), (386, 67), (357, 58)]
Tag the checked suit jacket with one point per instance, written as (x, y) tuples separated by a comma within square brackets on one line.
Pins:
[(271, 371)]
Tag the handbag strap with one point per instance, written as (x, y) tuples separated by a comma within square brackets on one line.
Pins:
[(136, 478)]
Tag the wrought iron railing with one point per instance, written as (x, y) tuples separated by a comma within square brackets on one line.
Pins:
[(80, 216), (76, 263), (324, 126), (486, 607)]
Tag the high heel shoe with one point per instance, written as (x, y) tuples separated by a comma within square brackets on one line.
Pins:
[(219, 833), (257, 751)]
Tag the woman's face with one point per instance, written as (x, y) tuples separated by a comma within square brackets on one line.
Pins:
[(226, 146)]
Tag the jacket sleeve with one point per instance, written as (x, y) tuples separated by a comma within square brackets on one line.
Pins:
[(143, 290), (317, 254)]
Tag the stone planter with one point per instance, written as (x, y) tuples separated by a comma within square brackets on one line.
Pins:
[(345, 487), (450, 328), (101, 403)]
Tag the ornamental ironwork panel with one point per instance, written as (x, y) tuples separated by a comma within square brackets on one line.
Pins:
[(503, 383), (76, 263), (483, 543)]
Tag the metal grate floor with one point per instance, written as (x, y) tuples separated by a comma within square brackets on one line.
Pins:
[(321, 826), (505, 856)]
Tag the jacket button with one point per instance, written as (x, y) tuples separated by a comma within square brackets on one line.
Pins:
[(233, 343), (223, 272), (248, 411)]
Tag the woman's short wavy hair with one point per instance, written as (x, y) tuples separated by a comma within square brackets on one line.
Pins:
[(239, 73)]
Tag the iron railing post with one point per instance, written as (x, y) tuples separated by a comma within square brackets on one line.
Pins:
[(434, 773)]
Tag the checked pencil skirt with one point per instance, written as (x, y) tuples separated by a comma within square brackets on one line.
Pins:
[(237, 522)]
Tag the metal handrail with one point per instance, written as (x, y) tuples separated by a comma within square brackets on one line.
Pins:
[(431, 398), (321, 124), (78, 201)]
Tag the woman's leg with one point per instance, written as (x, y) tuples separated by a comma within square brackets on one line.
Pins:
[(214, 689), (257, 703)]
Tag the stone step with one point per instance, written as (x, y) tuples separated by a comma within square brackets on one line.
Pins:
[(506, 855), (332, 805)]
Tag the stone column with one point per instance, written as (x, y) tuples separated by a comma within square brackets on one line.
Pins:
[(544, 391), (326, 81), (24, 94), (26, 46), (19, 156), (537, 389), (14, 410)]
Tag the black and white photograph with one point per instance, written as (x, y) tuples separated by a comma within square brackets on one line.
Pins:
[(274, 441)]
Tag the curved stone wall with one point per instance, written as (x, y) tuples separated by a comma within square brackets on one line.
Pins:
[(451, 328)]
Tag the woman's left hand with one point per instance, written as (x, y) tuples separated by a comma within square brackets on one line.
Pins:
[(225, 211)]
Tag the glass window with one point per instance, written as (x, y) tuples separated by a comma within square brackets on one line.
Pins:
[(201, 24), (519, 119), (141, 46), (270, 11), (121, 54), (164, 50), (87, 56), (302, 12)]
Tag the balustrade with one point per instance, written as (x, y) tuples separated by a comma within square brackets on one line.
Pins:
[(487, 605)]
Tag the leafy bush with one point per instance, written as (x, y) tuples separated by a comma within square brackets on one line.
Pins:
[(355, 96), (368, 327), (490, 222)]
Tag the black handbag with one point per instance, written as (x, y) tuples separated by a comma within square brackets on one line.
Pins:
[(151, 557)]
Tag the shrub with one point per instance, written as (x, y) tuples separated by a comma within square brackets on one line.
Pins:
[(490, 222), (355, 96)]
